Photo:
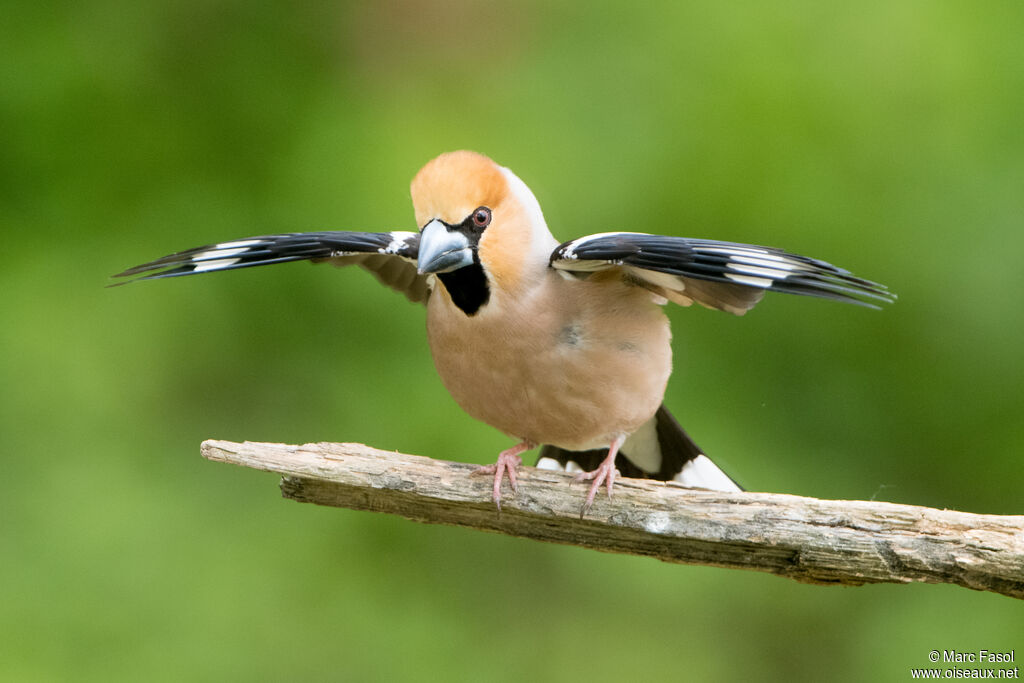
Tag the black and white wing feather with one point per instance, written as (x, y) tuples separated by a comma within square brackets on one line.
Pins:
[(727, 276), (390, 256), (660, 449)]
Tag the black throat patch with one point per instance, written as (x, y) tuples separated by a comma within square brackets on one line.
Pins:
[(467, 287)]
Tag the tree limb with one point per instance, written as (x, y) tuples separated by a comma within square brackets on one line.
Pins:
[(806, 539)]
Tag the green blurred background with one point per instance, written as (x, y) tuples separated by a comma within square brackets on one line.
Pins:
[(885, 137)]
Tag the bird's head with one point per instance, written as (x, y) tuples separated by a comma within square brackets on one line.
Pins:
[(475, 214)]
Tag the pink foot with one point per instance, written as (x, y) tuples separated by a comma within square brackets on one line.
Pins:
[(604, 474), (508, 461)]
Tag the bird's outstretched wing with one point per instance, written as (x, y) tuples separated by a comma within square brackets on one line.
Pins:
[(390, 256), (723, 275)]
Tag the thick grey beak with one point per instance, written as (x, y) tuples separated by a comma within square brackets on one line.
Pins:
[(442, 251)]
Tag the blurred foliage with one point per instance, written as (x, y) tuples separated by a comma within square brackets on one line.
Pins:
[(885, 137)]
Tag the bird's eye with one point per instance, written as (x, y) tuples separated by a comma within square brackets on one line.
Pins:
[(481, 217)]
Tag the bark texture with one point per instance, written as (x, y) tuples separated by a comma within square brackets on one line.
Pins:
[(805, 539)]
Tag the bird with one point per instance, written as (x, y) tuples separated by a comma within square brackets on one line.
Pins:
[(562, 346)]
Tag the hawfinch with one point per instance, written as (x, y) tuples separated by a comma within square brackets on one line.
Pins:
[(563, 346)]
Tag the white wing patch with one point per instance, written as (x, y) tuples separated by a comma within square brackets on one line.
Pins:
[(760, 282), (399, 241), (755, 267), (755, 256), (215, 264), (224, 250), (217, 253), (704, 474), (239, 243), (549, 464), (569, 252), (546, 463)]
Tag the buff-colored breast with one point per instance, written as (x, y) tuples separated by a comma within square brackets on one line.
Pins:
[(569, 363)]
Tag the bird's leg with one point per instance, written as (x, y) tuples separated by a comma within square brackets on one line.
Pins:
[(508, 461), (605, 473)]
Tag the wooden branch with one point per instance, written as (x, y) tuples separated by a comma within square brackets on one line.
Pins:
[(806, 539)]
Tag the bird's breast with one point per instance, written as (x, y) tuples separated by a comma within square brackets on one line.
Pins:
[(573, 366)]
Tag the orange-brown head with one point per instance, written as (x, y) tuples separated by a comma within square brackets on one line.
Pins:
[(513, 243)]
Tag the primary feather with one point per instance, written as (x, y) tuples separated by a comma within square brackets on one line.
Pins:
[(724, 275), (390, 256)]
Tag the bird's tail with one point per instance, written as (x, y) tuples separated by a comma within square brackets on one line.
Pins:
[(661, 449)]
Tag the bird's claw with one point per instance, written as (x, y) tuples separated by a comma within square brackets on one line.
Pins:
[(508, 462), (606, 474)]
